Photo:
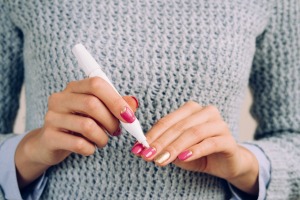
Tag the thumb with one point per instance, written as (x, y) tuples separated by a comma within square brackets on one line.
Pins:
[(132, 102)]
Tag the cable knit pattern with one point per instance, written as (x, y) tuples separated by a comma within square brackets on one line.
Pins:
[(165, 53)]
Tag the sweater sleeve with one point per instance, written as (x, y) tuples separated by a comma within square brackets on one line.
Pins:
[(275, 85), (8, 175), (11, 76), (263, 176)]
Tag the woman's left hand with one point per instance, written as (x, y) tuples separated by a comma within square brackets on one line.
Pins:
[(196, 138)]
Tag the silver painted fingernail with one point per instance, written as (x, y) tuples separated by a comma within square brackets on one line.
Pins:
[(162, 157)]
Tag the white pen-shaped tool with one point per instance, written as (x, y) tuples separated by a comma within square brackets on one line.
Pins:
[(92, 69)]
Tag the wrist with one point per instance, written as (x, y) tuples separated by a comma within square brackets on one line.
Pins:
[(28, 166), (29, 148), (247, 177)]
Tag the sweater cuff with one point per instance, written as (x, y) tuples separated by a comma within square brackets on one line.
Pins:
[(263, 176), (8, 174)]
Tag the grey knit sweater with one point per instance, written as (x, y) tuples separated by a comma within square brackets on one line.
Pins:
[(165, 53)]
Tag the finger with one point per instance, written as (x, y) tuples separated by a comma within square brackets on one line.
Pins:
[(137, 149), (87, 105), (202, 156), (171, 119), (207, 147), (85, 126), (195, 131), (190, 137), (208, 113), (132, 102), (65, 141), (105, 92)]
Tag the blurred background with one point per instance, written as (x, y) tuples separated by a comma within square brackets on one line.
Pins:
[(247, 124)]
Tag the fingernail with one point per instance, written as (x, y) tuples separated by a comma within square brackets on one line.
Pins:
[(185, 155), (162, 157), (137, 149), (136, 101), (127, 115), (117, 132), (147, 153)]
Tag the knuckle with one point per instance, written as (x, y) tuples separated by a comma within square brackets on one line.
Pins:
[(103, 142), (224, 125), (70, 85), (87, 125), (49, 117), (192, 104), (89, 152), (79, 146), (212, 109), (52, 99), (95, 83), (91, 103)]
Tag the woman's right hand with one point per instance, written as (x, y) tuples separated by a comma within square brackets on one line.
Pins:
[(78, 119)]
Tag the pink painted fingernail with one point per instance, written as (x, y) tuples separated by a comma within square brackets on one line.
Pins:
[(127, 115), (136, 101), (185, 155), (137, 149), (147, 153), (117, 132)]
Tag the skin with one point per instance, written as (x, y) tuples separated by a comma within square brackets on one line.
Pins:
[(79, 117), (214, 151), (76, 121)]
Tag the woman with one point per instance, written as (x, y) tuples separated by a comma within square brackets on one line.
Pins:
[(188, 63)]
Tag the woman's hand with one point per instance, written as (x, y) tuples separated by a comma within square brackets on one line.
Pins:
[(196, 138), (78, 119)]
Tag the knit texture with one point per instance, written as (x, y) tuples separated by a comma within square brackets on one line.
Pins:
[(165, 53)]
